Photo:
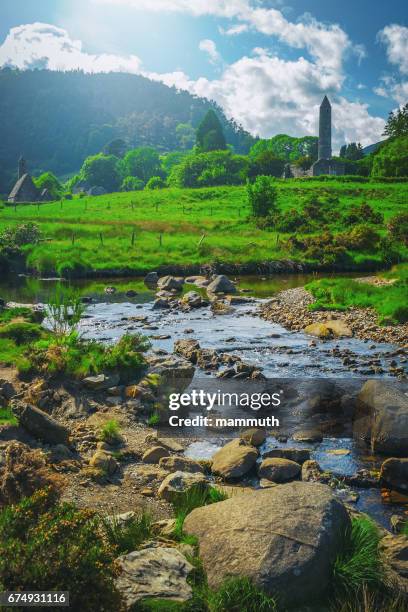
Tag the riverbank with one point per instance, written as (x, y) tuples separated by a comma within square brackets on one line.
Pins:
[(290, 308)]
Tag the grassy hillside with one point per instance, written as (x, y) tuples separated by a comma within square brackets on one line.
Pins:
[(138, 231)]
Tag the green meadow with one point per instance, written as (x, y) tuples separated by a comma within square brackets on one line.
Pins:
[(133, 232)]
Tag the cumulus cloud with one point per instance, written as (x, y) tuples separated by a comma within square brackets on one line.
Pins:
[(395, 39), (288, 95), (209, 47), (41, 45)]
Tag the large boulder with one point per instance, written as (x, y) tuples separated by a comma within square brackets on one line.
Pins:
[(180, 482), (221, 284), (284, 538), (167, 283), (254, 436), (104, 461), (381, 418), (153, 573), (187, 348), (278, 469), (174, 371), (41, 425), (235, 459), (394, 473)]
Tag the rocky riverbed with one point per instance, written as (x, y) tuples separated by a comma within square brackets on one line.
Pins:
[(341, 446)]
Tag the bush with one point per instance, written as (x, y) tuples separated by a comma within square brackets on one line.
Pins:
[(240, 595), (50, 546), (21, 333), (262, 196), (392, 159), (362, 214), (102, 171), (398, 227), (209, 169), (20, 235), (360, 238), (49, 181), (132, 183), (156, 182)]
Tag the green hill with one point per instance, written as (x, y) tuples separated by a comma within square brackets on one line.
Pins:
[(57, 119)]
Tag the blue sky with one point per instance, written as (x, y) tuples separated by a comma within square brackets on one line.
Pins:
[(267, 63)]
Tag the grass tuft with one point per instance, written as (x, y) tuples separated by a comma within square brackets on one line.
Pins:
[(359, 565), (128, 535)]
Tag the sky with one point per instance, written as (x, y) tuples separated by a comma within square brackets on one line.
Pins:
[(267, 63)]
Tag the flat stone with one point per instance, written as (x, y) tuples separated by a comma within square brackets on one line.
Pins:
[(278, 469), (153, 573)]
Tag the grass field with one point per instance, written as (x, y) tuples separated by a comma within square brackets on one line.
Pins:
[(138, 231)]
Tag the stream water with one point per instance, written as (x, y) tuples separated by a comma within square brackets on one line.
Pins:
[(278, 352)]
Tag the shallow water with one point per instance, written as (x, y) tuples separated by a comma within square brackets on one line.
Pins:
[(278, 352)]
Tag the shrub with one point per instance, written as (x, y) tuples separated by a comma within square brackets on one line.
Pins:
[(132, 183), (49, 181), (128, 535), (360, 238), (48, 546), (110, 432), (209, 169), (21, 333), (262, 196), (398, 227), (240, 595), (392, 159), (24, 471), (20, 235), (363, 213), (156, 182), (359, 564)]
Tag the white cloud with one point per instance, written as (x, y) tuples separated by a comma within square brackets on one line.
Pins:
[(41, 45), (266, 94), (234, 30), (395, 39), (209, 47), (288, 95), (326, 43)]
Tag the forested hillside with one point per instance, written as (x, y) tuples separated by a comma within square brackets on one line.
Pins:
[(57, 119)]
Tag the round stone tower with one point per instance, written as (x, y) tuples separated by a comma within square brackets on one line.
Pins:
[(325, 150)]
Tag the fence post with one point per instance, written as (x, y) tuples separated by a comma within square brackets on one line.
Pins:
[(73, 238), (101, 238), (160, 239), (133, 238)]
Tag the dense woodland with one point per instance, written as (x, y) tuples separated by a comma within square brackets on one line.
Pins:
[(57, 119)]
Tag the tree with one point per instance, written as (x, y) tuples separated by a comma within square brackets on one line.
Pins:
[(209, 169), (101, 170), (287, 147), (143, 163), (131, 183), (262, 196), (267, 164), (49, 181), (185, 135), (115, 147), (397, 123), (156, 182), (352, 151), (392, 158), (209, 136)]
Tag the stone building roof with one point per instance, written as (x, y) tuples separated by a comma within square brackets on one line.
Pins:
[(24, 190)]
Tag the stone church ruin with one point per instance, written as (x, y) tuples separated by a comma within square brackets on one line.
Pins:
[(24, 190)]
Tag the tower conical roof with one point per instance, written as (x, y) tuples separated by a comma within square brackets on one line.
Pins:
[(325, 101)]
